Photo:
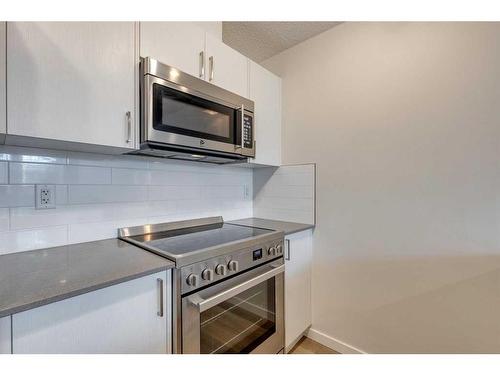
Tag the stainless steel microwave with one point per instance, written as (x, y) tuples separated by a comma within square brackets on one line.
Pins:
[(184, 117)]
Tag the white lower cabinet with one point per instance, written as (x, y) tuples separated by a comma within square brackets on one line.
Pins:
[(123, 318), (298, 264), (5, 339)]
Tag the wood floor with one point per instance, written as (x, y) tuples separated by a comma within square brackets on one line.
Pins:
[(308, 346)]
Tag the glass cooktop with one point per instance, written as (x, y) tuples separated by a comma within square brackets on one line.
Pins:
[(186, 240)]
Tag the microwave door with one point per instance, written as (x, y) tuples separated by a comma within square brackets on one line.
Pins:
[(185, 120)]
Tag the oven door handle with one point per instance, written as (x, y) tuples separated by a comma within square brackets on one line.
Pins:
[(205, 304)]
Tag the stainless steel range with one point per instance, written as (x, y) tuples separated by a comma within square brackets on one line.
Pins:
[(228, 284)]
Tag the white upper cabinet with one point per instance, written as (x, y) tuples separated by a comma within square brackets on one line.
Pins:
[(298, 265), (3, 93), (226, 67), (265, 91), (131, 317), (188, 47), (72, 82), (178, 44)]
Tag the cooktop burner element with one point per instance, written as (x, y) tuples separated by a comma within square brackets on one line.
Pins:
[(187, 242)]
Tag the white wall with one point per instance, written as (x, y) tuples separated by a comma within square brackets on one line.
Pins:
[(96, 194), (403, 121)]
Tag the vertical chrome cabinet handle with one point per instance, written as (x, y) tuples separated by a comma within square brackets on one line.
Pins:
[(211, 68), (160, 296), (202, 64), (129, 126), (288, 252)]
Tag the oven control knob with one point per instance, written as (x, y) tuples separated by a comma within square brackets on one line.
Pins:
[(271, 251), (279, 249), (220, 270), (233, 266), (192, 280), (207, 274)]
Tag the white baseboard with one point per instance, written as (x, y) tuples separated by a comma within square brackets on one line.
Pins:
[(333, 343)]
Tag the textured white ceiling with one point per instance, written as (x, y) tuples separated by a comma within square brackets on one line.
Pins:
[(261, 40)]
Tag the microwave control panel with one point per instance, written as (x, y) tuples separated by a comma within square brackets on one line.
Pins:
[(247, 131)]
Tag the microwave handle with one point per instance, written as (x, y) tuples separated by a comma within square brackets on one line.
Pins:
[(205, 304)]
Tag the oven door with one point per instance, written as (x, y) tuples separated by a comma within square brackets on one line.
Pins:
[(241, 315)]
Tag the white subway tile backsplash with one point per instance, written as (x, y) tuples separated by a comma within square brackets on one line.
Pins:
[(184, 166), (166, 192), (161, 177), (34, 173), (112, 161), (297, 216), (29, 217), (162, 208), (22, 240), (4, 219), (100, 231), (32, 155), (17, 195), (237, 192), (122, 176), (85, 194), (123, 211), (96, 194), (292, 179), (303, 204), (61, 194), (286, 193), (4, 174)]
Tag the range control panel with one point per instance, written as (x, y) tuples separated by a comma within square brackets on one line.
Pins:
[(207, 272)]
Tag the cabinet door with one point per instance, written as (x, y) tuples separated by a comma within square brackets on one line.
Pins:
[(5, 339), (121, 318), (226, 67), (3, 92), (265, 91), (72, 81), (298, 262), (177, 44)]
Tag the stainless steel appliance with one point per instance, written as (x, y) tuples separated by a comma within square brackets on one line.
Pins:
[(228, 284), (184, 117)]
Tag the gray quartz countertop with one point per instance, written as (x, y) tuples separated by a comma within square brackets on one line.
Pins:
[(286, 226), (34, 278)]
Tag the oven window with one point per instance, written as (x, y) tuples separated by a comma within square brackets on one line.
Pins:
[(180, 113), (240, 324)]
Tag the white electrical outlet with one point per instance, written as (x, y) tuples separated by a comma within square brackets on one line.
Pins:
[(45, 196)]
